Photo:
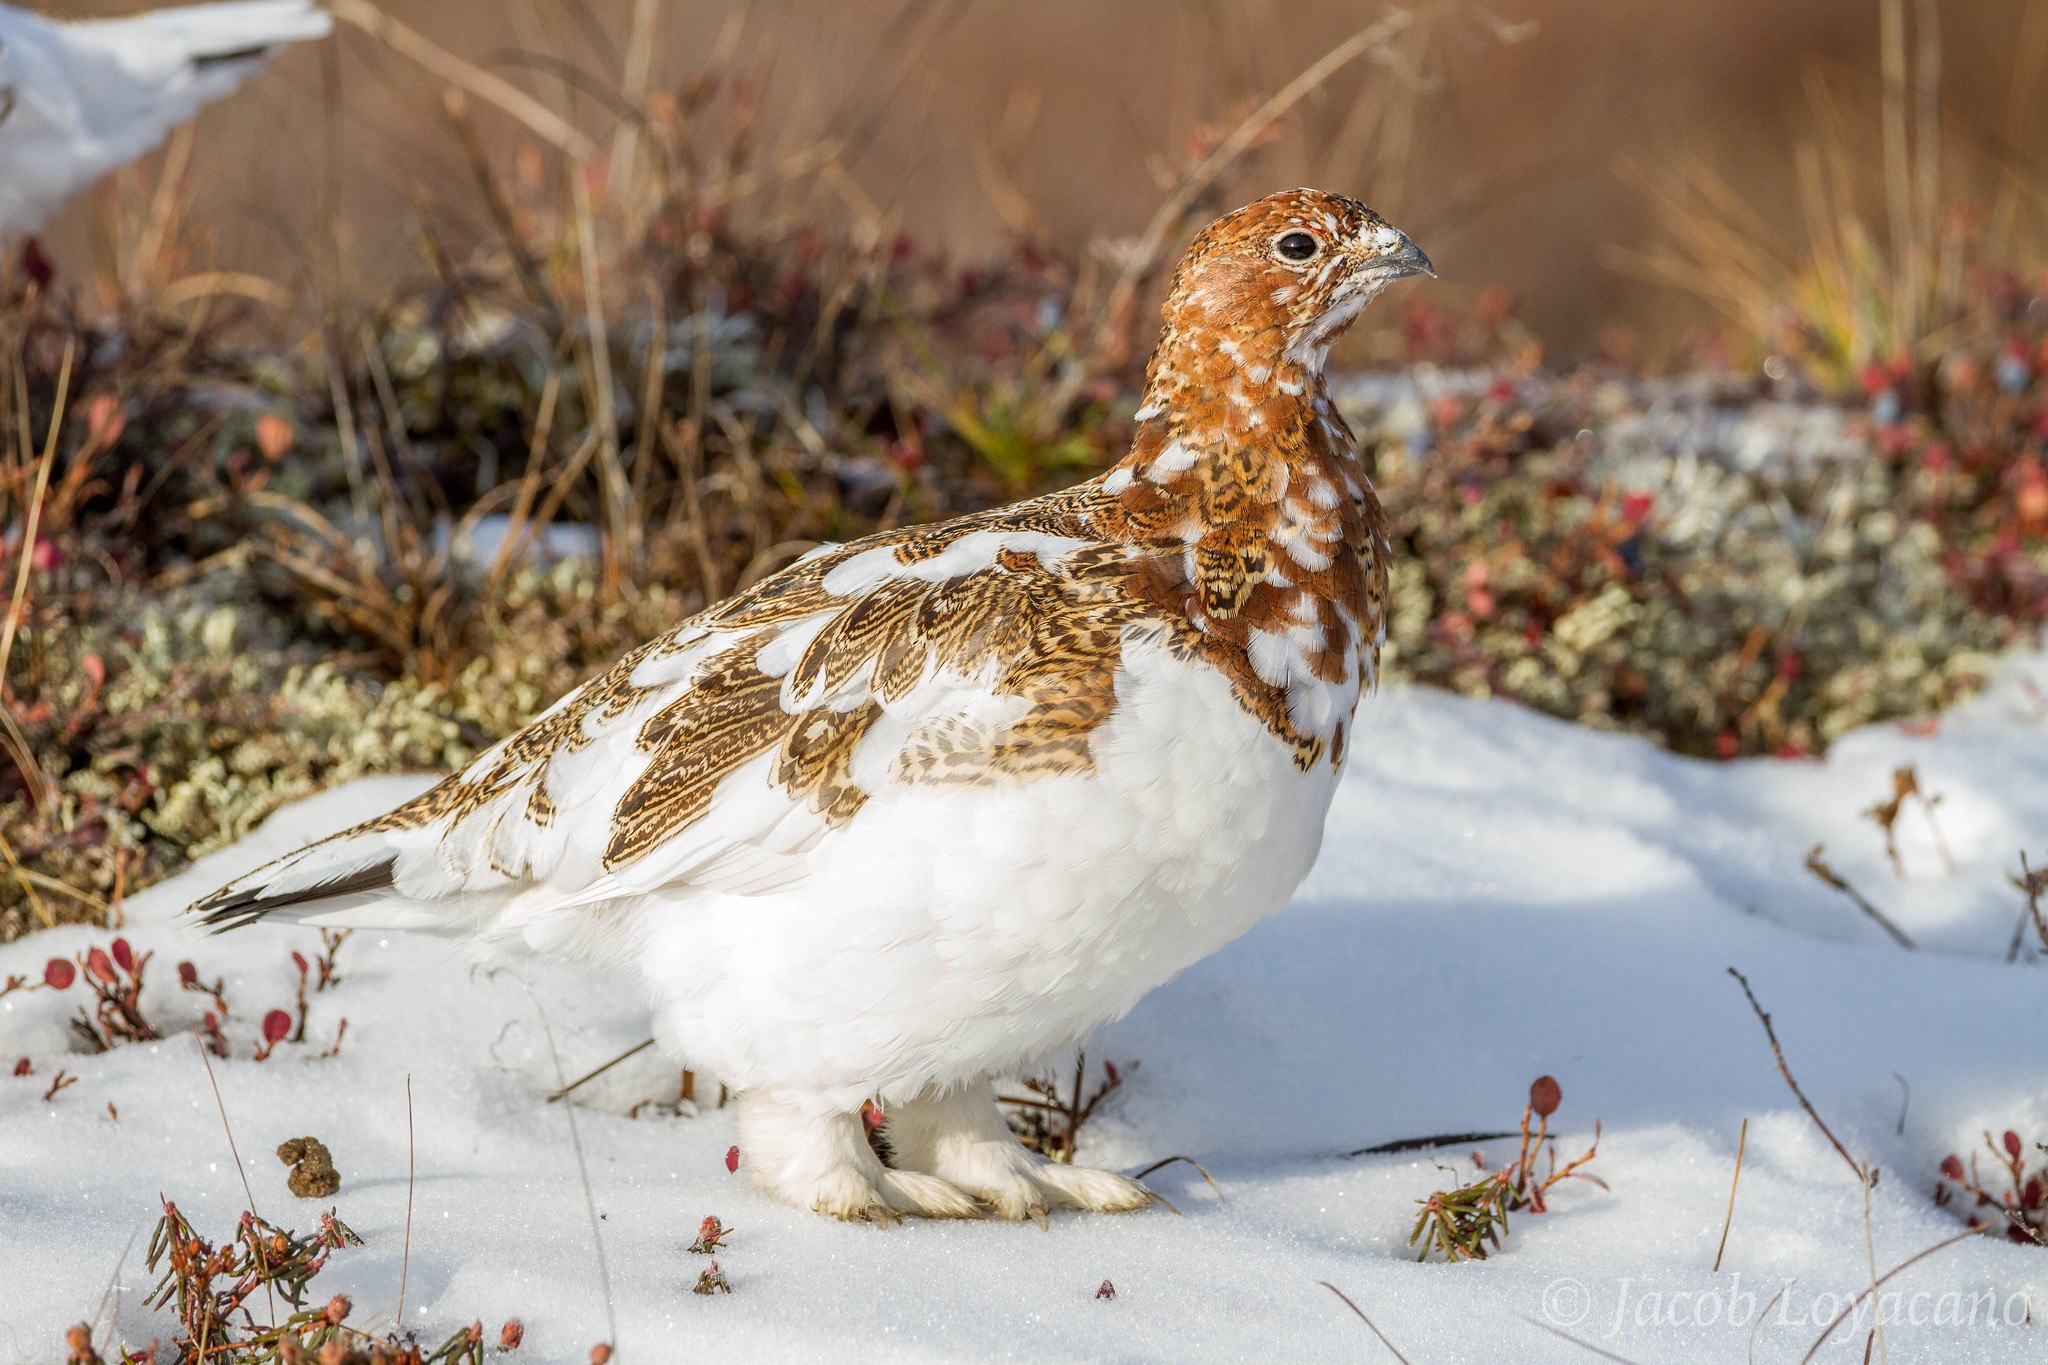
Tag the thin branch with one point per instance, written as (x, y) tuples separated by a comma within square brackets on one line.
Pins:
[(1392, 1349), (1567, 1336), (240, 1170), (467, 76), (604, 1274), (1902, 1265), (1423, 1144), (405, 1256), (1819, 868), (1786, 1071), (632, 1051), (1169, 1160), (1741, 1143)]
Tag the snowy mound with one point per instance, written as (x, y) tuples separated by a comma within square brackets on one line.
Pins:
[(1499, 896)]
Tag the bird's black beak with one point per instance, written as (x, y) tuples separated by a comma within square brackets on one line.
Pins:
[(1406, 259)]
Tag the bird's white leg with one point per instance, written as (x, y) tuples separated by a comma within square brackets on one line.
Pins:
[(960, 1137), (823, 1162)]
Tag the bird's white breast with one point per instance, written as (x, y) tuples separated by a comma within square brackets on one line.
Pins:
[(948, 930)]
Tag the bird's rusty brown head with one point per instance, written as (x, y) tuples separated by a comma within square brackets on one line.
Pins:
[(1270, 287)]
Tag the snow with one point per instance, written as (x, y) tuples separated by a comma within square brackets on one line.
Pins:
[(1500, 896)]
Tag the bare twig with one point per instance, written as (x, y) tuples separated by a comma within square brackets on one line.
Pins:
[(1880, 1280), (1392, 1349), (1423, 1144), (632, 1051), (2032, 882), (1819, 868), (485, 85), (1169, 1160), (1741, 1143), (1862, 1175), (405, 1256), (604, 1274), (218, 1103), (1567, 1336)]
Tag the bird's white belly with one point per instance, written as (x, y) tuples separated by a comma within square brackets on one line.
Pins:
[(950, 932)]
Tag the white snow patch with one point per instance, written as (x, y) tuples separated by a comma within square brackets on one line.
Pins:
[(1500, 895)]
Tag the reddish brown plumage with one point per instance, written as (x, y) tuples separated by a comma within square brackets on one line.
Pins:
[(1239, 531)]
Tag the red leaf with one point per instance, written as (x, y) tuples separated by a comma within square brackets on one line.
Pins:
[(23, 1068), (105, 420), (58, 974), (1952, 1167), (1544, 1095), (274, 436), (188, 975), (124, 956), (299, 961), (94, 668), (732, 1159), (2012, 1143), (511, 1334), (276, 1025), (97, 963)]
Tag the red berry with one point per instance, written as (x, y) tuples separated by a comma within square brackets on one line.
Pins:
[(1952, 1167), (1545, 1095), (276, 1025), (732, 1159), (58, 974)]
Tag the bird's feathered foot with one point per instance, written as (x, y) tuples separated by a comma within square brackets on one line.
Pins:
[(959, 1137), (824, 1163)]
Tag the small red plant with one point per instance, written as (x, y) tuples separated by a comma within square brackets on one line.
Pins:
[(2022, 1205), (1469, 1221), (188, 980), (209, 1032), (114, 975), (1049, 1122), (1105, 1291), (277, 1026), (712, 1281), (711, 1235)]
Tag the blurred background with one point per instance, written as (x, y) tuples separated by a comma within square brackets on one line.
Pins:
[(464, 350), (1526, 144)]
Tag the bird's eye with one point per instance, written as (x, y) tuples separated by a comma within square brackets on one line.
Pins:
[(1297, 246)]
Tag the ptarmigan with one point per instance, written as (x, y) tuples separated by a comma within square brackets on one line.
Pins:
[(924, 806), (78, 100)]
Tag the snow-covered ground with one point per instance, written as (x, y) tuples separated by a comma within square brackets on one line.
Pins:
[(1500, 896)]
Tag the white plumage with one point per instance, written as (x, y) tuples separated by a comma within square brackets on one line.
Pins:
[(79, 99)]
